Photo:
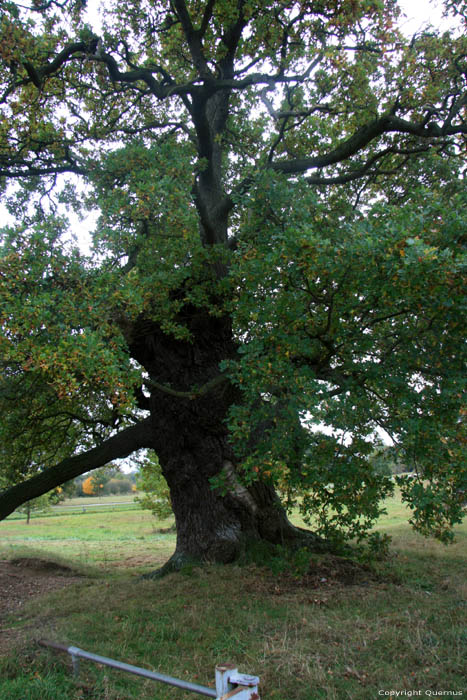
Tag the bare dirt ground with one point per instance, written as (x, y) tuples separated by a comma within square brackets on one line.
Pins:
[(20, 581)]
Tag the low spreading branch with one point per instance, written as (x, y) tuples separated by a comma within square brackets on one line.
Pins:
[(118, 446)]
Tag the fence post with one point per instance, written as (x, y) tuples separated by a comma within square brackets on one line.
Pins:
[(223, 672), (232, 684), (74, 660)]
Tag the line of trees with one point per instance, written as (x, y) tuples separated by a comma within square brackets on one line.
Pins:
[(106, 481)]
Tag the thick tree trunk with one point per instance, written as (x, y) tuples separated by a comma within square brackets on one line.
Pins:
[(191, 441), (217, 524)]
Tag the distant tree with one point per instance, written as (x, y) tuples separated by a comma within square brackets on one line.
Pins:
[(101, 477), (89, 487), (386, 461), (57, 495), (70, 489), (104, 481), (118, 486), (75, 486), (36, 505), (132, 475)]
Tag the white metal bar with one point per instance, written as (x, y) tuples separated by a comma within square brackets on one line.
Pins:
[(77, 653), (229, 682)]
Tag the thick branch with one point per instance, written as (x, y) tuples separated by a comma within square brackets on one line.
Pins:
[(145, 75), (196, 393), (116, 447), (367, 168), (364, 136), (30, 170), (62, 57), (91, 49), (193, 38), (206, 17)]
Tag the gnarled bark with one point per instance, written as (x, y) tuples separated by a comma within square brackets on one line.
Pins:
[(191, 439)]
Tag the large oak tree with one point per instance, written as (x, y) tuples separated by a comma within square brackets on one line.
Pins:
[(278, 247)]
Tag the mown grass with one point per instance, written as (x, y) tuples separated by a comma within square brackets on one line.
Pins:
[(106, 539), (88, 500), (401, 625), (88, 504)]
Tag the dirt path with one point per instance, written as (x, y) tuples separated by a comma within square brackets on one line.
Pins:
[(20, 581)]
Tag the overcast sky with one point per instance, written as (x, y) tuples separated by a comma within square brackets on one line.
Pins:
[(422, 12)]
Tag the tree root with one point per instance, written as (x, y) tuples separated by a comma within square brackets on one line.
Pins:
[(293, 538), (177, 562)]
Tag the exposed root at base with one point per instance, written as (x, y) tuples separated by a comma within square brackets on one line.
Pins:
[(293, 539), (176, 563)]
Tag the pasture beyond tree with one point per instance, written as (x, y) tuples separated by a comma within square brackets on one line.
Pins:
[(280, 247)]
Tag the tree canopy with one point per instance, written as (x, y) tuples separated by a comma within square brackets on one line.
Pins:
[(278, 261)]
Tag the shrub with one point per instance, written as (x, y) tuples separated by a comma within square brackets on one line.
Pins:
[(156, 494)]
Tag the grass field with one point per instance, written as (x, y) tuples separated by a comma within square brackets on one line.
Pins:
[(342, 631), (117, 538), (90, 500), (88, 504)]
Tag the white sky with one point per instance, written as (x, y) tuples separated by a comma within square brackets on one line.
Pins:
[(419, 13)]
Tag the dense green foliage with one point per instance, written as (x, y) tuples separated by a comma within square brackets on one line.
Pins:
[(296, 166), (154, 491), (387, 308)]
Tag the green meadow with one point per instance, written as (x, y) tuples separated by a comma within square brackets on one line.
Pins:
[(334, 629)]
